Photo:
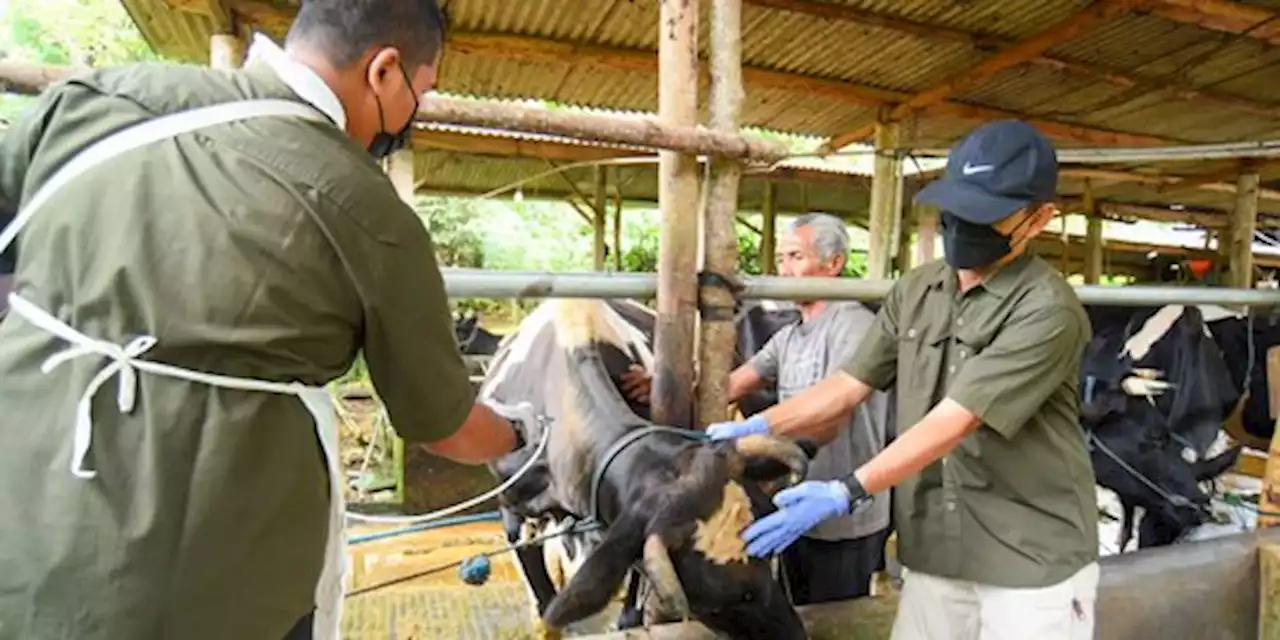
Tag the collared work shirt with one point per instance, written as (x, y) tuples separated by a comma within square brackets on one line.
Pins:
[(803, 354), (1014, 504), (270, 248)]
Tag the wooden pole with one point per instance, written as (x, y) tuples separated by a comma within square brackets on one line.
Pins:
[(926, 235), (600, 220), (718, 332), (769, 229), (884, 182), (1244, 221), (617, 220), (226, 51), (1093, 238), (672, 393)]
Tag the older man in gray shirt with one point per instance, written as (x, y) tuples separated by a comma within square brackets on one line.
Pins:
[(836, 559)]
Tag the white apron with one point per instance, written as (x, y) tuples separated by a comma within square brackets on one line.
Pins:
[(124, 359)]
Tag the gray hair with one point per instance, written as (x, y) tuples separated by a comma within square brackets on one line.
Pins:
[(830, 236)]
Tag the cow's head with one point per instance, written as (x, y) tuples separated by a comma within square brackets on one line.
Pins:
[(1148, 468), (684, 533)]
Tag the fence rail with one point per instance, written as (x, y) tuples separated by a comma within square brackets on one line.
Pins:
[(476, 283)]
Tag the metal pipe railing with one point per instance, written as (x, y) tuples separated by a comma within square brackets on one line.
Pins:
[(476, 283)]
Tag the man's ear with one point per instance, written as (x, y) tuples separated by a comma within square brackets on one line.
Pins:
[(591, 588)]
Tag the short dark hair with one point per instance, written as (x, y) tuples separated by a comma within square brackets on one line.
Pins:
[(346, 29)]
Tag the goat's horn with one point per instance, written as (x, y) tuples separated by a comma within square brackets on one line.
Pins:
[(662, 574), (780, 449)]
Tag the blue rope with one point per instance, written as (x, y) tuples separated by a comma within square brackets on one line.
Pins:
[(488, 516)]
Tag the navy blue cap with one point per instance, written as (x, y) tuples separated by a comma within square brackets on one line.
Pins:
[(994, 171)]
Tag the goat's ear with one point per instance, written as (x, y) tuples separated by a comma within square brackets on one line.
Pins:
[(595, 584)]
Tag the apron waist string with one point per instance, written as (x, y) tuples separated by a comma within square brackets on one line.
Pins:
[(124, 363)]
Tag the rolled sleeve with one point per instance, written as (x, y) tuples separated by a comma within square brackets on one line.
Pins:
[(1011, 378), (412, 349), (875, 362)]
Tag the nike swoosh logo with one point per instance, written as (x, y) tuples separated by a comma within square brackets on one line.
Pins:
[(970, 169)]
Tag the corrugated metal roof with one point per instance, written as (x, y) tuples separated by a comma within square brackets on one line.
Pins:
[(601, 53)]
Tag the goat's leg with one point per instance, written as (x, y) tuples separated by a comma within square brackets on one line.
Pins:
[(531, 562), (1127, 511), (631, 615)]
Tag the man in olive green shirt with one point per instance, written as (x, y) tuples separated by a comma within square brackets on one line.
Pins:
[(272, 248), (994, 491)]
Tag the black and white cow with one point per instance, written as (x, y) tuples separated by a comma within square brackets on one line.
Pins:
[(1155, 391), (673, 506)]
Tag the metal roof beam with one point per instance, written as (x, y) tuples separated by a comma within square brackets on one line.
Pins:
[(1161, 181), (1064, 31)]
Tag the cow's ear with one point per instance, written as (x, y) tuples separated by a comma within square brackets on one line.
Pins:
[(595, 584), (1206, 470)]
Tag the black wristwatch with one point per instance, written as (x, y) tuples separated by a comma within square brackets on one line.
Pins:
[(857, 494)]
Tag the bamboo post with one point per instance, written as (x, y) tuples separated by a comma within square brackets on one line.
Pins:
[(672, 390), (226, 51), (884, 182), (600, 220), (718, 332), (902, 257), (1093, 238), (1244, 221), (769, 229)]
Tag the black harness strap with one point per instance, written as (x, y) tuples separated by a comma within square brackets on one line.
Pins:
[(621, 445), (718, 313)]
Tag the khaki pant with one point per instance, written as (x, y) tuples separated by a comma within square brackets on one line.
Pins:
[(933, 608)]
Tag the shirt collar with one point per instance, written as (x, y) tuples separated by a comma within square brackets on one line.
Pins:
[(1000, 283), (302, 80)]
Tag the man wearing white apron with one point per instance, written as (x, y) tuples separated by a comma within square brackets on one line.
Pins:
[(198, 252)]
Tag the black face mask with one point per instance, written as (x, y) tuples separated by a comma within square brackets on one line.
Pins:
[(966, 245), (385, 144)]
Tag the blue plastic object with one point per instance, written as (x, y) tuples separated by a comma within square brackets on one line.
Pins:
[(475, 570)]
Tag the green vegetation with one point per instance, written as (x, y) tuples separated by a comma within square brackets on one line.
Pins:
[(87, 33)]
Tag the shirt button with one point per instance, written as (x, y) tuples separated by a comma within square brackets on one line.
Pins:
[(951, 506), (951, 369), (911, 333), (960, 321)]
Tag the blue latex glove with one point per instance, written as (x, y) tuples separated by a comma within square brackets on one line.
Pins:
[(729, 430), (801, 508)]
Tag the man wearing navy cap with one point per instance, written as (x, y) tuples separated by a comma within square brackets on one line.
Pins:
[(994, 492)]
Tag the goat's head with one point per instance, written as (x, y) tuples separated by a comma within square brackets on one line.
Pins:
[(684, 532)]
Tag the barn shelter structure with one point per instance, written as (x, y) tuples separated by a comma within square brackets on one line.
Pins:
[(1132, 92)]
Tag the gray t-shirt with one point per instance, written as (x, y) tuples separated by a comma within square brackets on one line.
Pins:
[(801, 355)]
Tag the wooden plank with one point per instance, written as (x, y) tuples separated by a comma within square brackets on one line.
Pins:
[(672, 390), (226, 51)]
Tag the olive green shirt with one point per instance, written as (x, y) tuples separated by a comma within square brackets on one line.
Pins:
[(271, 248), (1014, 504)]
